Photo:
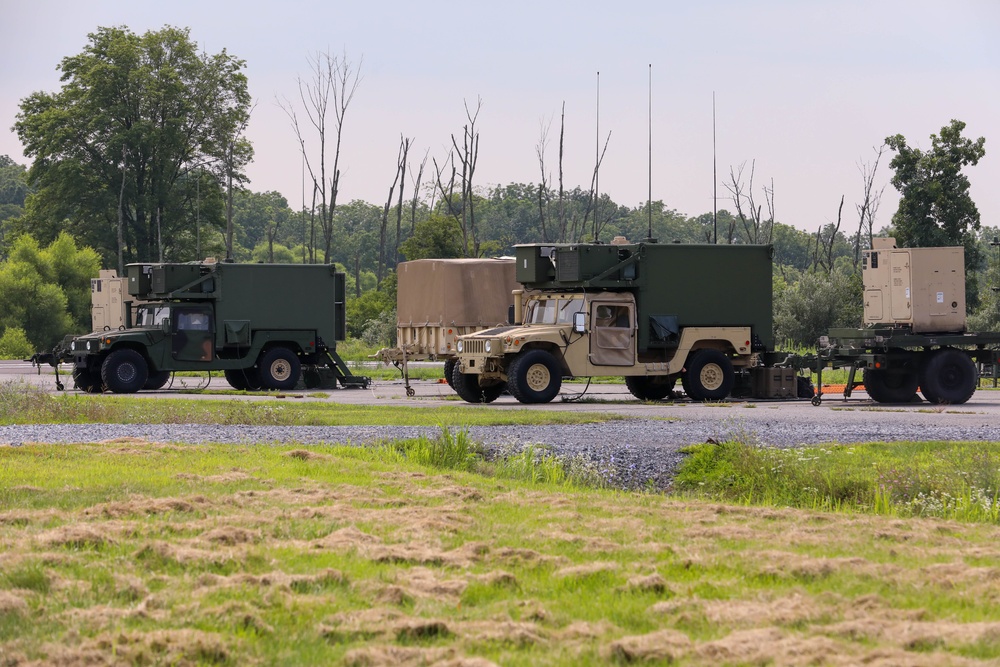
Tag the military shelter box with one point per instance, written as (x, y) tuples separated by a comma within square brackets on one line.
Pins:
[(921, 288), (459, 292), (675, 285)]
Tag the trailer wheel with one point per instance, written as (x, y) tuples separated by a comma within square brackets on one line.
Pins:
[(710, 375), (654, 388), (243, 379), (534, 376), (890, 386), (124, 371), (156, 381), (449, 369), (88, 381), (948, 376), (466, 385), (279, 368)]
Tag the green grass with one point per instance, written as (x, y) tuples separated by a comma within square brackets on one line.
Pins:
[(423, 552), (952, 480), (21, 403)]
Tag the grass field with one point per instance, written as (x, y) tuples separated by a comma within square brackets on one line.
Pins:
[(142, 553), (431, 552)]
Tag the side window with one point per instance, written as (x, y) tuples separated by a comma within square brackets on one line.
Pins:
[(193, 320), (613, 316)]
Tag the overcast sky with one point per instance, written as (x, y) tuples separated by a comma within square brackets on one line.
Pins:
[(805, 89)]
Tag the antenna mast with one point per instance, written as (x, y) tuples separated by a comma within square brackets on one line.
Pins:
[(715, 182), (649, 197), (597, 162)]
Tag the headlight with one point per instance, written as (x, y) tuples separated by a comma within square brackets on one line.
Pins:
[(459, 347), (488, 346), (72, 346)]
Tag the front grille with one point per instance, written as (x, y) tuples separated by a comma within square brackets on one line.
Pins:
[(474, 346)]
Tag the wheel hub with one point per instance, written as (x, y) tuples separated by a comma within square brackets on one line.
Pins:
[(538, 377), (711, 377), (281, 370)]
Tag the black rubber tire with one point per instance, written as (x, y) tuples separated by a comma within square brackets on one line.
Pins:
[(124, 371), (891, 386), (279, 368), (534, 376), (492, 392), (654, 388), (449, 368), (243, 379), (156, 380), (710, 375), (466, 385), (948, 376), (88, 381)]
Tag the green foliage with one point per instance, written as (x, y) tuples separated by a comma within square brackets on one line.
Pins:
[(950, 480), (280, 254), (147, 109), (14, 344), (438, 237), (370, 306), (808, 308), (935, 208), (46, 292)]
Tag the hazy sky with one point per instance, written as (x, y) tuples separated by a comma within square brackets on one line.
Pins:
[(806, 89)]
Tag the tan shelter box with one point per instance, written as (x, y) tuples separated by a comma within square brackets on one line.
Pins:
[(456, 292), (923, 288)]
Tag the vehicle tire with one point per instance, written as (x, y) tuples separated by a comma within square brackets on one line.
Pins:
[(279, 368), (890, 386), (534, 376), (492, 392), (948, 376), (710, 375), (88, 381), (243, 379), (654, 388), (124, 371), (449, 369), (156, 380), (466, 385)]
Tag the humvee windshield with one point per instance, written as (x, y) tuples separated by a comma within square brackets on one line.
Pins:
[(553, 311), (152, 316)]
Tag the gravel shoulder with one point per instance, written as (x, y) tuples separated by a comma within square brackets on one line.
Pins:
[(628, 453)]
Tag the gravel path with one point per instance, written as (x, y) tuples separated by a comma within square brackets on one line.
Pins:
[(628, 454)]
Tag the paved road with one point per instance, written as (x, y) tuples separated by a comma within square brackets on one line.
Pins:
[(851, 420)]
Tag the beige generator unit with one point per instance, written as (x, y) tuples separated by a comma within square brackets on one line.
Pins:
[(439, 300), (919, 288), (108, 308)]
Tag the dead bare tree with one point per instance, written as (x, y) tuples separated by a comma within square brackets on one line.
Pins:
[(823, 252), (869, 205), (749, 213), (543, 186), (469, 156), (333, 77), (416, 192), (404, 148), (592, 203)]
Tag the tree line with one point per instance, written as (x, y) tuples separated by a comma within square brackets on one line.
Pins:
[(140, 156)]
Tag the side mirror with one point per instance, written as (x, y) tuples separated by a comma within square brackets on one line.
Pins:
[(579, 322), (165, 325)]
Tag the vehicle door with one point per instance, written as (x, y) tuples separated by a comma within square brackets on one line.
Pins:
[(193, 333), (612, 333)]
